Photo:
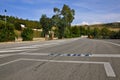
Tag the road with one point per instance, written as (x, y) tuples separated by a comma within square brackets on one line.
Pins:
[(67, 59)]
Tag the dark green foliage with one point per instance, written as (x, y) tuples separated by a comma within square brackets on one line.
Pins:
[(105, 33), (88, 31), (75, 32), (18, 25), (115, 35), (46, 24), (96, 33), (62, 19), (68, 14), (7, 32), (61, 28), (67, 33), (27, 34), (83, 30)]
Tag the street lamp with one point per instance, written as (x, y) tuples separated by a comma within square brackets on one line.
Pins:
[(5, 17)]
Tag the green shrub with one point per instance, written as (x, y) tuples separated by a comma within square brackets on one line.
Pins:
[(7, 32), (27, 34)]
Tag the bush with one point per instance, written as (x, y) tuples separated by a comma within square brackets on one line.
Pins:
[(7, 32), (27, 34), (115, 35), (67, 33), (75, 32)]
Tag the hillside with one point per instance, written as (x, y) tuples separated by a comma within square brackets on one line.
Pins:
[(109, 25), (115, 26), (18, 21)]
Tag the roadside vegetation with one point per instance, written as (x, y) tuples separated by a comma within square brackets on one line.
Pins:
[(61, 20), (7, 32), (59, 26), (27, 34)]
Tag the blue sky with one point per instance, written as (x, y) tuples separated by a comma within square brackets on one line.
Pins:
[(86, 11)]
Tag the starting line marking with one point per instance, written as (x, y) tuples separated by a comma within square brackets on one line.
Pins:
[(107, 66), (74, 55)]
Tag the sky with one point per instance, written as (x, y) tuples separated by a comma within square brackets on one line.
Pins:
[(86, 11)]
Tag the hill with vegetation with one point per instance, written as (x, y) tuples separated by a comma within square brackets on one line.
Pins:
[(108, 25), (101, 31), (18, 21)]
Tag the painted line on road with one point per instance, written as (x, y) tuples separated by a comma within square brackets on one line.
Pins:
[(112, 43), (107, 66), (109, 70), (65, 55), (106, 55), (35, 46), (73, 55), (4, 51), (10, 62), (17, 49), (35, 54), (6, 55)]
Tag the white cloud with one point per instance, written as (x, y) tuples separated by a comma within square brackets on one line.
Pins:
[(84, 23), (117, 21), (96, 22)]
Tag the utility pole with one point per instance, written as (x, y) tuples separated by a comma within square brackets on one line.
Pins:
[(5, 17)]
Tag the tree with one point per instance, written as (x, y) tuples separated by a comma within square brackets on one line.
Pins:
[(82, 30), (96, 33), (27, 34), (88, 31), (62, 19), (61, 28), (59, 22), (67, 33), (7, 32), (115, 35), (68, 14), (46, 24), (75, 31), (57, 11), (105, 33)]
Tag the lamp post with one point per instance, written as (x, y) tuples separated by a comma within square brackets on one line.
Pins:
[(5, 17)]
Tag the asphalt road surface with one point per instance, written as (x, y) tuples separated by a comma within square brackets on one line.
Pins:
[(68, 59)]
